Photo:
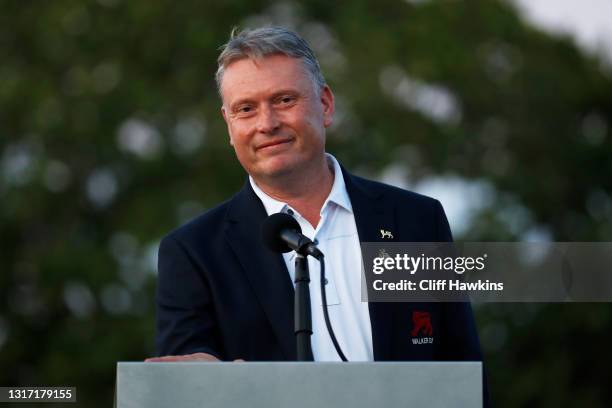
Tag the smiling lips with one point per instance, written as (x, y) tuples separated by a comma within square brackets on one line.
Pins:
[(273, 143)]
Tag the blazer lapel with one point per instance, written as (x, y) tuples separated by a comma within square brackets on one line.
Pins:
[(265, 270), (372, 214)]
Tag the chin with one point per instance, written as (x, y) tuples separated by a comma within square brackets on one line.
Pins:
[(278, 169)]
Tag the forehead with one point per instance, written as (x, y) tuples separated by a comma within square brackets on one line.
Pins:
[(250, 77)]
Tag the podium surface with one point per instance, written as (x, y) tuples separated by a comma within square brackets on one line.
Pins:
[(299, 385)]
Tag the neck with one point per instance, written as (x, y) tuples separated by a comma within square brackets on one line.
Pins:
[(306, 193)]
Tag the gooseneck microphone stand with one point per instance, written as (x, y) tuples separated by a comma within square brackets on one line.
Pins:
[(303, 316)]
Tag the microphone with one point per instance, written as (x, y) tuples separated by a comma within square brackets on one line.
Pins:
[(282, 233)]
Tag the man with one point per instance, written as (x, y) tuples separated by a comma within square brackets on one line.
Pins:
[(223, 295)]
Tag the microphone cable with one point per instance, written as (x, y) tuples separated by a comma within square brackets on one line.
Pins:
[(330, 330)]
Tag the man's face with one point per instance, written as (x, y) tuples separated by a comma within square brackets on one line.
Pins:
[(275, 119)]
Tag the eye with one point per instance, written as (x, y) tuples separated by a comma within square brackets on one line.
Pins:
[(286, 100), (244, 110)]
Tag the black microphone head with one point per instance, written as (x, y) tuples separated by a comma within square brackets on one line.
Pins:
[(272, 227)]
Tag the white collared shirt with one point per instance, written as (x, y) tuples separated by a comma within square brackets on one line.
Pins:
[(336, 235)]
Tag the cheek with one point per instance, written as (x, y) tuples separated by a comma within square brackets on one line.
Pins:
[(238, 136), (306, 121), (315, 129)]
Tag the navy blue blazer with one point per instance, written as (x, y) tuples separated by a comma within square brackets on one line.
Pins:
[(220, 291)]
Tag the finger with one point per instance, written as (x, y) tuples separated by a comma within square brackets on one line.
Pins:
[(200, 357), (162, 359), (187, 357)]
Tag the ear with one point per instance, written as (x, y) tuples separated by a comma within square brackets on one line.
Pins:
[(226, 119), (327, 100)]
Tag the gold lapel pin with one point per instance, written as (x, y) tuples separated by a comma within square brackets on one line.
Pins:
[(386, 234)]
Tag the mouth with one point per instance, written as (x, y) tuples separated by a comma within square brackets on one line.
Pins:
[(273, 143)]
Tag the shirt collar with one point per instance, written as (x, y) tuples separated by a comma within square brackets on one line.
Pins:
[(338, 194)]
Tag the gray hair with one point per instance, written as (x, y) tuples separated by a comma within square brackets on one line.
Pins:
[(260, 42)]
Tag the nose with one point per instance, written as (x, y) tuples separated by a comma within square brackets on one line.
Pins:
[(267, 120)]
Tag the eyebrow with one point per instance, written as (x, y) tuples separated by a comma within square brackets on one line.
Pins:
[(239, 102), (273, 96)]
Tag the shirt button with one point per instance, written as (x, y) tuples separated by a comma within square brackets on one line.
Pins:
[(325, 281), (316, 241), (290, 211)]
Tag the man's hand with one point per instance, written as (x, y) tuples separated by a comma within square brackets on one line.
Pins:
[(187, 357)]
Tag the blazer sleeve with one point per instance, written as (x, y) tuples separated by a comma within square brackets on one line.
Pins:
[(462, 341), (443, 231), (461, 334), (186, 322)]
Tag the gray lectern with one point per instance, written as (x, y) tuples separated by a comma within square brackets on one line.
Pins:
[(299, 385)]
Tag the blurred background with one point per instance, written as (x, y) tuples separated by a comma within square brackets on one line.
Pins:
[(110, 136)]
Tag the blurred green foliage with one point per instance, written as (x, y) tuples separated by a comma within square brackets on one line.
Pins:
[(110, 136)]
